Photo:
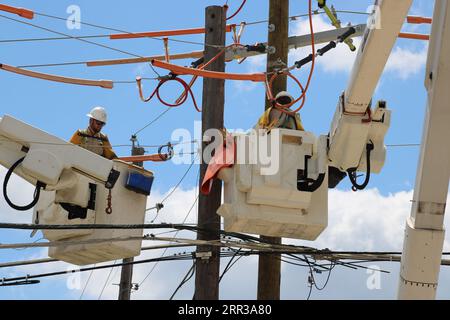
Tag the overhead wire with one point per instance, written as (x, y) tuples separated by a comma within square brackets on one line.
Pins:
[(186, 278), (237, 11), (79, 39), (230, 263), (152, 121), (86, 284), (251, 23), (107, 280), (123, 31), (179, 182), (175, 257), (64, 34), (176, 233)]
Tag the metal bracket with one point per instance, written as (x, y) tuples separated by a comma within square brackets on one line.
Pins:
[(203, 255)]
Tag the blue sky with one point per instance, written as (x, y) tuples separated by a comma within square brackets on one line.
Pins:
[(60, 109)]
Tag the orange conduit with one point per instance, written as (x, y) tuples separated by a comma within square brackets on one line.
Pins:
[(415, 36), (107, 84), (151, 157), (419, 20), (163, 33), (302, 98), (25, 13), (179, 70), (187, 55)]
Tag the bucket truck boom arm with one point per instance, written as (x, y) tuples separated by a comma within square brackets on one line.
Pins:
[(356, 141)]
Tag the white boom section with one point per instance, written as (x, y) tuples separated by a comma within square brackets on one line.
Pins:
[(378, 42), (424, 235), (351, 127), (46, 156)]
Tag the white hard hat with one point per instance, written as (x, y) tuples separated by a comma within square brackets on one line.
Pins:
[(98, 113), (284, 94)]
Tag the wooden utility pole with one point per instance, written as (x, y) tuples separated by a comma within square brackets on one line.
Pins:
[(126, 276), (208, 258), (269, 268)]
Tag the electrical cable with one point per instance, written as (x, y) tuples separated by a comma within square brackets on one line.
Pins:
[(37, 191), (352, 172), (153, 121), (176, 233), (107, 279), (186, 278), (122, 31), (237, 11), (230, 264), (180, 181), (86, 284), (75, 38)]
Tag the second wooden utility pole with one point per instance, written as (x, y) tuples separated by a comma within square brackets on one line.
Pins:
[(208, 258), (269, 268), (126, 276)]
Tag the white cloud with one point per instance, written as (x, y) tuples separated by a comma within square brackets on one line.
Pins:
[(362, 221), (403, 62)]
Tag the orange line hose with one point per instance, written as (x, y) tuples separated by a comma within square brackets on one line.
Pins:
[(107, 84), (25, 13), (163, 33), (415, 36), (419, 20), (179, 70), (151, 157)]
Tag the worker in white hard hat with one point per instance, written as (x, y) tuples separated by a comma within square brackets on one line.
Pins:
[(92, 138), (275, 118)]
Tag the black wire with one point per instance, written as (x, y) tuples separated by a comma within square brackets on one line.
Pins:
[(57, 273), (107, 279), (128, 32), (230, 264), (181, 180), (64, 34), (86, 284), (37, 190), (186, 278), (177, 231), (153, 121)]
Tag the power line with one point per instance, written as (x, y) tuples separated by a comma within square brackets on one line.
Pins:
[(251, 23), (153, 121), (75, 38), (175, 257), (184, 220), (186, 278), (82, 40), (121, 31), (230, 264), (107, 279), (179, 182), (86, 284)]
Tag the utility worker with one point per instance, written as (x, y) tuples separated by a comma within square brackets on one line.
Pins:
[(91, 138), (275, 118)]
